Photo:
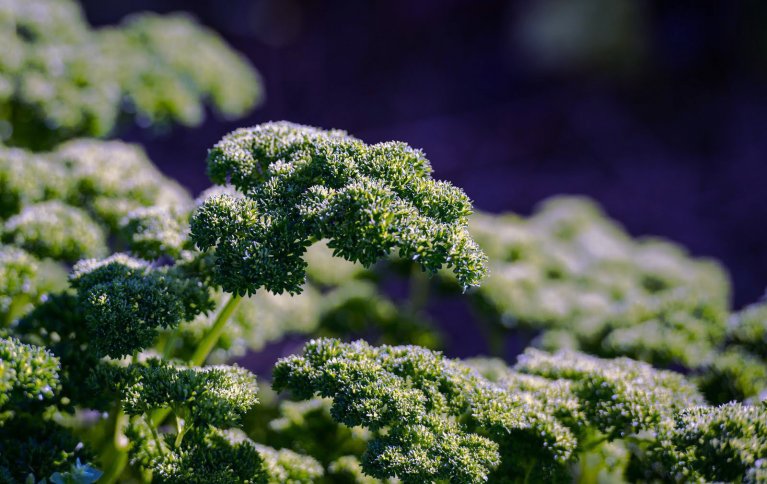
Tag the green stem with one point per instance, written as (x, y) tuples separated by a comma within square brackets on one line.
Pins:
[(156, 438), (120, 443), (181, 429), (17, 304), (115, 469), (590, 445), (169, 344), (209, 341), (158, 416), (204, 348)]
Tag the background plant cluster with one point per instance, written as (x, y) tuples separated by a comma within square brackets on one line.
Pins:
[(124, 301)]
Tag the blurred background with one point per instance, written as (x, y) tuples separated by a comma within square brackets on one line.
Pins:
[(658, 110)]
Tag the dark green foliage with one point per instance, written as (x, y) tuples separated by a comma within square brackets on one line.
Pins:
[(58, 324), (124, 302), (307, 427), (55, 230), (303, 184), (30, 445), (288, 467), (201, 399), (619, 396), (733, 374), (214, 395), (725, 443), (411, 392), (208, 456), (252, 251), (434, 418), (153, 232), (581, 409), (123, 315)]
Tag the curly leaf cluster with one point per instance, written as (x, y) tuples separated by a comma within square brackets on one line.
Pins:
[(27, 374), (284, 465), (67, 203), (18, 278), (55, 230), (112, 178), (211, 455), (577, 275), (59, 78), (210, 396), (33, 448), (166, 80), (54, 82), (27, 178), (153, 232), (619, 396), (434, 418), (204, 456), (302, 184), (58, 324), (125, 302), (413, 393), (205, 401), (727, 443)]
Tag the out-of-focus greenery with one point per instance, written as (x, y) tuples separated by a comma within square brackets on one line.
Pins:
[(572, 272), (739, 371), (60, 78), (89, 186), (579, 281)]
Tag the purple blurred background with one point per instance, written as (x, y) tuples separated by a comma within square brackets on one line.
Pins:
[(656, 109)]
